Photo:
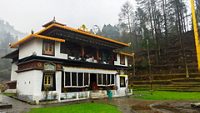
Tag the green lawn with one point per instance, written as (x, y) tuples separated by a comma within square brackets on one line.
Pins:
[(79, 108), (10, 94), (166, 95)]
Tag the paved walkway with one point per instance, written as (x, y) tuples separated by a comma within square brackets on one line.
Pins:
[(17, 106)]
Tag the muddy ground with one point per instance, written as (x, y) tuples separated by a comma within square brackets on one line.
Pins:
[(131, 105), (125, 104)]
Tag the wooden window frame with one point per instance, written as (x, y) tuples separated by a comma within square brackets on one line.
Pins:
[(48, 80), (49, 44)]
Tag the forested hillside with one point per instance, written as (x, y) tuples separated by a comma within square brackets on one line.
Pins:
[(161, 35), (152, 20), (7, 35)]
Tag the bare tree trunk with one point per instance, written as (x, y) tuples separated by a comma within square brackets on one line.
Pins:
[(180, 37)]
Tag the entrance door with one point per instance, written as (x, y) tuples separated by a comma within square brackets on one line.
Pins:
[(49, 81), (93, 81)]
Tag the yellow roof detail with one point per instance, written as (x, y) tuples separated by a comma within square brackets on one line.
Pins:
[(14, 45)]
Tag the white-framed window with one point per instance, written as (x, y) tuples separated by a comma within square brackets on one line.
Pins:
[(112, 79), (108, 79), (80, 79), (67, 78), (105, 79), (86, 79), (76, 79), (122, 82), (100, 79)]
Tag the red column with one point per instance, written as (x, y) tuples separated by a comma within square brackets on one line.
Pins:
[(97, 53)]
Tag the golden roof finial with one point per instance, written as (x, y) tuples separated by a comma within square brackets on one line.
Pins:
[(32, 32), (54, 19), (83, 28)]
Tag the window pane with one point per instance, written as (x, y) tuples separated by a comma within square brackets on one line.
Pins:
[(86, 77), (45, 80), (48, 47), (122, 82), (112, 79), (99, 78), (67, 79), (49, 80), (80, 79), (45, 47), (74, 78), (122, 59), (108, 79), (104, 79)]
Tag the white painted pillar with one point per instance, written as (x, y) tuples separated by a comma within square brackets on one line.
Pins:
[(77, 95), (117, 82), (58, 84)]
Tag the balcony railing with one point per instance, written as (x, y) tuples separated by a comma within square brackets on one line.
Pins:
[(90, 59)]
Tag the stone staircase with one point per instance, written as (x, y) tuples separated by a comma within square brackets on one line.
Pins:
[(168, 70), (179, 83)]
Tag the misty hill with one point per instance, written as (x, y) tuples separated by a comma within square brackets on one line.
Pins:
[(7, 35), (5, 27)]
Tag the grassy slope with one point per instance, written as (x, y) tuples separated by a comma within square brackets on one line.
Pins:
[(167, 95), (78, 108)]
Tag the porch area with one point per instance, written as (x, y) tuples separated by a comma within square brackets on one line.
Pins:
[(99, 94)]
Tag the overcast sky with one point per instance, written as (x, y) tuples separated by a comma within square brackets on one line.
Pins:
[(25, 15)]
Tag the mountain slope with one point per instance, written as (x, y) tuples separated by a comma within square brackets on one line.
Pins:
[(7, 35)]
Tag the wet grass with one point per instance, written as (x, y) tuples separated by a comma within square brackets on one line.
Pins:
[(10, 94), (78, 108), (166, 95)]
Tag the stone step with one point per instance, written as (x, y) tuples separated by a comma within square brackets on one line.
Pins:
[(167, 88), (170, 85), (186, 80), (186, 83)]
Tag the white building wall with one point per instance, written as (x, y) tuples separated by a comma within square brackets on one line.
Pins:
[(27, 49), (121, 91), (14, 68), (35, 46), (29, 82), (89, 70), (117, 62)]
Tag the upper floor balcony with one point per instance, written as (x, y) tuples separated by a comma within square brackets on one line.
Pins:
[(93, 54)]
